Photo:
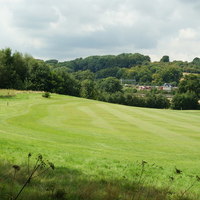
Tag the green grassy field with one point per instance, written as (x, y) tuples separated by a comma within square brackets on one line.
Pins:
[(102, 141)]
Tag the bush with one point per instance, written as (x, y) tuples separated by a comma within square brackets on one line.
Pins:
[(185, 101), (109, 85), (157, 101), (46, 95), (134, 100)]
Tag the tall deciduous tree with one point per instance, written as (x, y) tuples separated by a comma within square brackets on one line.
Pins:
[(190, 83), (168, 74), (185, 101), (87, 89), (110, 85), (164, 59)]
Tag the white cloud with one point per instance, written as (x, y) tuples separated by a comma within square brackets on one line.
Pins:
[(185, 45), (74, 28), (121, 17), (187, 34)]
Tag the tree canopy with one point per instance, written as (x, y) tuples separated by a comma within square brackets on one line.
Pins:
[(98, 77), (164, 59), (190, 83)]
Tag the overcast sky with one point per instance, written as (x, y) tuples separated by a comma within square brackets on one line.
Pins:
[(67, 29)]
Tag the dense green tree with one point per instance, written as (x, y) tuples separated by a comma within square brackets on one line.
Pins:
[(190, 83), (185, 101), (164, 59), (156, 101), (66, 83), (192, 67), (134, 100), (122, 73), (20, 65), (110, 85), (6, 57), (97, 63), (8, 77), (157, 79), (108, 72), (53, 62), (88, 89), (40, 77), (117, 97), (141, 74), (13, 70), (84, 75), (196, 61), (168, 74)]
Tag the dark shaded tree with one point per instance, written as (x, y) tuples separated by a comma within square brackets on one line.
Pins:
[(13, 70), (109, 85), (184, 101), (108, 72), (196, 61), (84, 75), (168, 74), (190, 83), (157, 101), (53, 62), (40, 77), (65, 83), (164, 59), (97, 63), (88, 89)]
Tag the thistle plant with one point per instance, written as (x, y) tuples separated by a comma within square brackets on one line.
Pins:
[(40, 167), (142, 170), (29, 156)]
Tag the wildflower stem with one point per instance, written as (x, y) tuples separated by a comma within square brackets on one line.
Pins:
[(188, 188), (41, 172), (27, 181)]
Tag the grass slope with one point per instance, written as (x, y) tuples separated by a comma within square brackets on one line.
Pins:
[(99, 139)]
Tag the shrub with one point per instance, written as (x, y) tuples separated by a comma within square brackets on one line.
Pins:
[(157, 101), (46, 95), (184, 101)]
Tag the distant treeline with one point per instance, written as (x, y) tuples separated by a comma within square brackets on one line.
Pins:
[(97, 77), (125, 60), (97, 63), (131, 66)]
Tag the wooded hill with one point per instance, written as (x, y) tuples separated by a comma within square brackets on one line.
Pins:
[(97, 77), (131, 66)]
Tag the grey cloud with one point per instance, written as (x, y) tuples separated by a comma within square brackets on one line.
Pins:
[(74, 27), (34, 17), (190, 1)]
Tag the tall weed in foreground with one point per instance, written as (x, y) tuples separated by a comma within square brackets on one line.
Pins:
[(35, 182), (22, 180)]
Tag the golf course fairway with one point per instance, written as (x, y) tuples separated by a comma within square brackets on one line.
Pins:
[(100, 139)]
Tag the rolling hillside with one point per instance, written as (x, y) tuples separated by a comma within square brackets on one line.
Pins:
[(99, 139)]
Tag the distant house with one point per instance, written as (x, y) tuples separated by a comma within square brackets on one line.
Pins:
[(145, 87), (166, 87)]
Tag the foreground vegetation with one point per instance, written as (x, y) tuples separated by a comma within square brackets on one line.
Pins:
[(100, 150)]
